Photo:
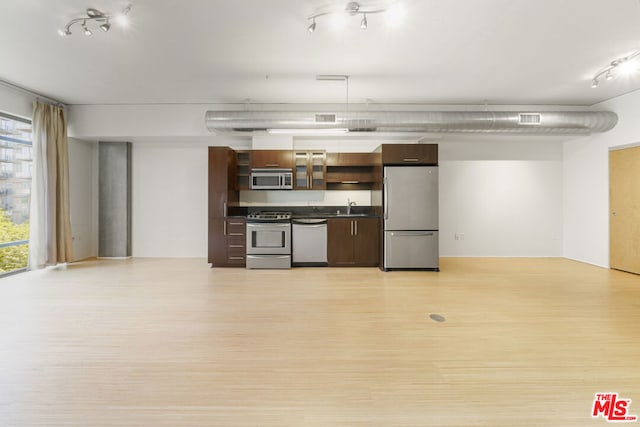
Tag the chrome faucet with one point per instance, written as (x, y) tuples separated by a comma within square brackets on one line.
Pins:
[(349, 204)]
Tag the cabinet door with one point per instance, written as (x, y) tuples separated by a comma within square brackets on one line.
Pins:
[(318, 170), (310, 170), (410, 154), (218, 181), (243, 168), (340, 242), (217, 253), (301, 170), (272, 159), (367, 241), (353, 159), (222, 195)]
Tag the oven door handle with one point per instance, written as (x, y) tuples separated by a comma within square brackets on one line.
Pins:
[(269, 225)]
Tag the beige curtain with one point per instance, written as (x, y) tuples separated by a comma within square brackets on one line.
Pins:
[(50, 223)]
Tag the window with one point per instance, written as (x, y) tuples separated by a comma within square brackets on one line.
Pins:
[(15, 192)]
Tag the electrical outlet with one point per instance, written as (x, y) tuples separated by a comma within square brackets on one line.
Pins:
[(461, 236), (456, 236)]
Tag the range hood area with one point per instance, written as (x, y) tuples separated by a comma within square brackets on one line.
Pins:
[(517, 122)]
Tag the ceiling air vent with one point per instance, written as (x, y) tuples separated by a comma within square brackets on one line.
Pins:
[(325, 118), (529, 119)]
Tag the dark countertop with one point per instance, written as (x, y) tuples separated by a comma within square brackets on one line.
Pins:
[(335, 215)]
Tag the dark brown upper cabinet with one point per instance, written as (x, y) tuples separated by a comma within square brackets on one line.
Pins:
[(272, 159), (409, 154)]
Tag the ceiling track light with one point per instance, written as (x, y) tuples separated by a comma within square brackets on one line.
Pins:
[(87, 32), (611, 71), (352, 8), (92, 15), (106, 26)]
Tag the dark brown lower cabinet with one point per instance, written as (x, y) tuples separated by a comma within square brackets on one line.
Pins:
[(227, 242), (353, 242)]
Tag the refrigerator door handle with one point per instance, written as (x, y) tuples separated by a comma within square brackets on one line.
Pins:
[(412, 233), (385, 185)]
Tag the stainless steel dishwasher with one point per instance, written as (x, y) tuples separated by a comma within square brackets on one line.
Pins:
[(309, 242)]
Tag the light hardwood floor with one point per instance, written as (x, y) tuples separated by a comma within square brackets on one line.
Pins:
[(172, 342)]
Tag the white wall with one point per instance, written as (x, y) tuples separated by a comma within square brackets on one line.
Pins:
[(500, 198), (505, 197), (83, 197), (586, 183), (169, 199)]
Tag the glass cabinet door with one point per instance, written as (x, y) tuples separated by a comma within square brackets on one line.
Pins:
[(301, 159), (318, 170), (242, 170), (310, 170)]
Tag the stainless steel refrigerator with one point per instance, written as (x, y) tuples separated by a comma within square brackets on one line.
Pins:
[(410, 198)]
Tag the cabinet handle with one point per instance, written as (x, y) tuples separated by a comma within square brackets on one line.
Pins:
[(224, 208), (236, 246), (236, 223), (237, 258), (412, 233), (272, 165), (355, 224), (352, 227), (236, 234), (410, 160), (385, 196), (224, 228)]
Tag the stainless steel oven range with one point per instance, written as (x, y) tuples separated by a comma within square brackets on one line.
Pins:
[(269, 240)]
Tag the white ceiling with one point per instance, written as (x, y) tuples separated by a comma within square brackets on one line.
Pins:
[(227, 51)]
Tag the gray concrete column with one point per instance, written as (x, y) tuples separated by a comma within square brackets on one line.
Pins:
[(114, 199)]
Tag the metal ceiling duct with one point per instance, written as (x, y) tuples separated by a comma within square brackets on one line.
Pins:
[(520, 122)]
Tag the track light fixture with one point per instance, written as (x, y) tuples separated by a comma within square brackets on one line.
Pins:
[(95, 15), (87, 32), (352, 8), (626, 65)]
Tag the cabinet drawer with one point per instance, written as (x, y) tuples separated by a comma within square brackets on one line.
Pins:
[(237, 260), (236, 241), (236, 227), (236, 251)]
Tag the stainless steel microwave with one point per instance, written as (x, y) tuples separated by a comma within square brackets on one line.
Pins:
[(271, 179)]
